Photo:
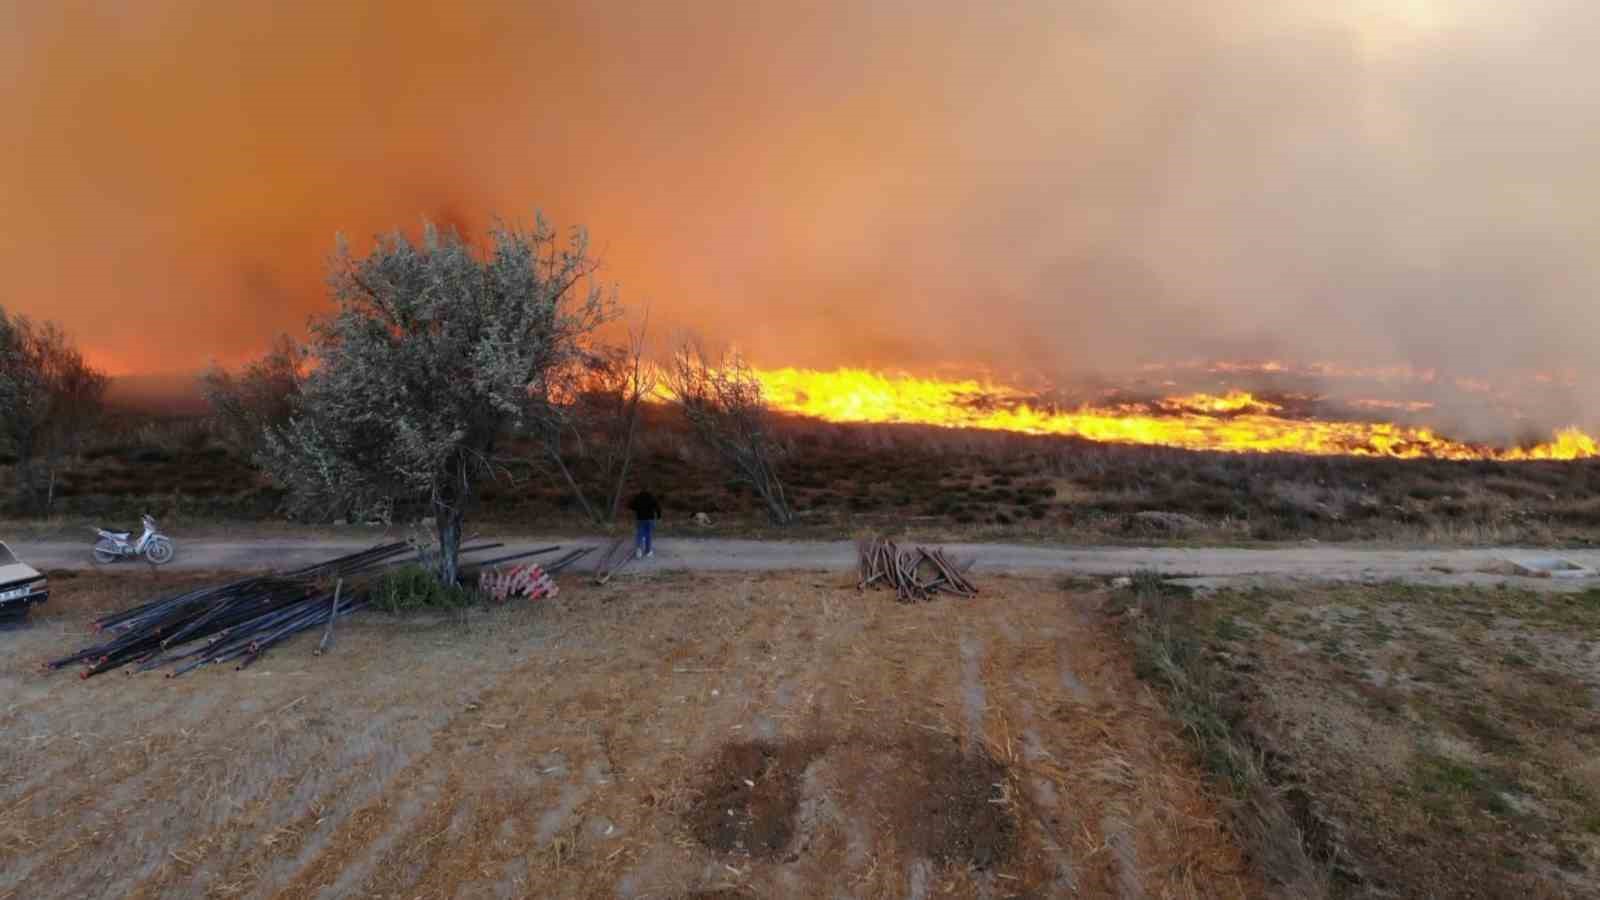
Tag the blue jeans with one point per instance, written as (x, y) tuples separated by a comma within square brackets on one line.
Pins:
[(644, 535)]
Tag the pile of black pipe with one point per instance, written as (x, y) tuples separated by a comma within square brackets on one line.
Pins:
[(234, 622), (471, 572)]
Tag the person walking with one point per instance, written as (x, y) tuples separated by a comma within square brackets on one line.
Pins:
[(646, 510)]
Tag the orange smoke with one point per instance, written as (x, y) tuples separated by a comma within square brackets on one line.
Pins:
[(1234, 422)]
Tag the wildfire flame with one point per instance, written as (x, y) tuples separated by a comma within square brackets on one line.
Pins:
[(1237, 421)]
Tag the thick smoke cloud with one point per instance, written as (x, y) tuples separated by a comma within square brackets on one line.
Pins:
[(1039, 186)]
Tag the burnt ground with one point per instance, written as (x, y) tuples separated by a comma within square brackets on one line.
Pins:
[(585, 747)]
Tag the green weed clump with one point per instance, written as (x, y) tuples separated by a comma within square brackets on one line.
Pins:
[(413, 587), (1172, 654)]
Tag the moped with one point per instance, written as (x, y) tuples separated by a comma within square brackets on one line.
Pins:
[(152, 545)]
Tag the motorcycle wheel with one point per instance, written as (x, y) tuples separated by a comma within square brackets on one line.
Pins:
[(105, 552), (159, 551)]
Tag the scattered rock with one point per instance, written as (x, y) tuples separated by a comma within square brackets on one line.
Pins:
[(602, 828)]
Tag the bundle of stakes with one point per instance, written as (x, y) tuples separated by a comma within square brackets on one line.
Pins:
[(915, 573), (237, 621)]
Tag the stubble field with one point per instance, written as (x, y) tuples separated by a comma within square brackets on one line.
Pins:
[(763, 736)]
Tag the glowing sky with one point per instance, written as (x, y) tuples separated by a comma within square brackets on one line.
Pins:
[(1071, 184)]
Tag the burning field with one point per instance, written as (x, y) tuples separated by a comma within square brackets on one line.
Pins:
[(1029, 272), (1210, 453), (1311, 420)]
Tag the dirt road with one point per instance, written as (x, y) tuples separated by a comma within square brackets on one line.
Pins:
[(1453, 566)]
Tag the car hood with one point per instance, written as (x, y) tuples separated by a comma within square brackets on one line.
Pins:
[(17, 573)]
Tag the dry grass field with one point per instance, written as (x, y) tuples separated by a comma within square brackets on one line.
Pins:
[(677, 736), (1426, 742), (937, 483)]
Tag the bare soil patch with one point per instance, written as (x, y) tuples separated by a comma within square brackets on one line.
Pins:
[(953, 807), (751, 794), (941, 804)]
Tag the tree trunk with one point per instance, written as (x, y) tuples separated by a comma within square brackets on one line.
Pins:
[(577, 491), (614, 508), (777, 505), (53, 457), (24, 475), (769, 488), (552, 450), (447, 518)]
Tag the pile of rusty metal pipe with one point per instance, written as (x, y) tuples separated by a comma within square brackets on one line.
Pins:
[(915, 573), (237, 621)]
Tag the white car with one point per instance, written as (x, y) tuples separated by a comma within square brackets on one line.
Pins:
[(21, 586)]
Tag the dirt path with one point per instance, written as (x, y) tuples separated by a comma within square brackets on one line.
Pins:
[(1452, 566)]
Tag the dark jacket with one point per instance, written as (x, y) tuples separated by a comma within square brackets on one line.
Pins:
[(645, 506)]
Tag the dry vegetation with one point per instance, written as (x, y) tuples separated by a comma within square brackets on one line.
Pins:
[(767, 736), (1422, 742), (938, 483)]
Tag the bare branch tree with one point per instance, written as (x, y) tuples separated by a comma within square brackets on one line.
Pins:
[(555, 417), (630, 380), (599, 417), (724, 404), (49, 398), (259, 398)]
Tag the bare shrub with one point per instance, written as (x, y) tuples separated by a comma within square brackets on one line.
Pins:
[(596, 416), (259, 398), (724, 404), (49, 398)]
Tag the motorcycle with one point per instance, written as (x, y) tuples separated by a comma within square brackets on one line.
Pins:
[(152, 545)]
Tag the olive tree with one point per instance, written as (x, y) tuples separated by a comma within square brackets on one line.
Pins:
[(50, 396), (431, 356), (726, 409)]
